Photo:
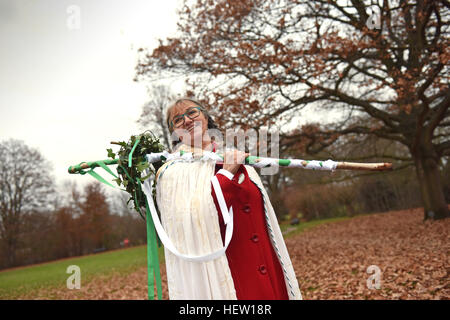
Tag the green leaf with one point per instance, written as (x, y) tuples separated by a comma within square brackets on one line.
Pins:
[(146, 177), (142, 166), (111, 154)]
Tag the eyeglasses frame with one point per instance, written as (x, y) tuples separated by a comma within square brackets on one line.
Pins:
[(185, 114)]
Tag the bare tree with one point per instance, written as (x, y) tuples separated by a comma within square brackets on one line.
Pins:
[(25, 186), (153, 113)]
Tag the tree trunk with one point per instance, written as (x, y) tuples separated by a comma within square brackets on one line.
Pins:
[(10, 238), (428, 174), (11, 252)]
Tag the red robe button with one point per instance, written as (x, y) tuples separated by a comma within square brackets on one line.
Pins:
[(263, 269), (255, 238), (246, 209)]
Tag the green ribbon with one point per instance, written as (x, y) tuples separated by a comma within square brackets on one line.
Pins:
[(152, 258), (99, 177), (104, 166), (130, 156)]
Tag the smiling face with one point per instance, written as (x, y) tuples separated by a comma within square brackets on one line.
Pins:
[(192, 131)]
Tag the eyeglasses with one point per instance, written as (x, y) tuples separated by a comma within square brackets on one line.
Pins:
[(191, 113)]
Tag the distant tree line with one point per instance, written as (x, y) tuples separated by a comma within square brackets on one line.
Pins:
[(372, 194), (37, 224), (309, 195)]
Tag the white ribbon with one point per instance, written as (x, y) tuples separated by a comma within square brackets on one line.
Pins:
[(263, 162), (328, 165), (226, 214), (221, 200)]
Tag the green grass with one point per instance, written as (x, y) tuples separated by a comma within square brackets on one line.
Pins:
[(15, 282), (302, 226)]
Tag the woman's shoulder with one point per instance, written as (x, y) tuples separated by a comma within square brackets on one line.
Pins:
[(252, 173)]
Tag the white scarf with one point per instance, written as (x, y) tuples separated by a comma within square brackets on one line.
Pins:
[(190, 221)]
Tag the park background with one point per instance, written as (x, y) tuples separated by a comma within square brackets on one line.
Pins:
[(348, 80)]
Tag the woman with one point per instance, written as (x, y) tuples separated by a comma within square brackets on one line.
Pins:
[(256, 264)]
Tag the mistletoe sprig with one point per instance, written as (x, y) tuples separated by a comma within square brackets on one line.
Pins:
[(132, 165)]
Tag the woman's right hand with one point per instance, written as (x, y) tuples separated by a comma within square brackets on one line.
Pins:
[(233, 159)]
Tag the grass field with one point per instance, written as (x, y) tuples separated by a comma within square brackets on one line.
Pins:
[(289, 231), (16, 282)]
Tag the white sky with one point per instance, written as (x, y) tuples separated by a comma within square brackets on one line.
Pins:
[(69, 92)]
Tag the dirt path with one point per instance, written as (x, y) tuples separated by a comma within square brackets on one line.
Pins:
[(331, 262)]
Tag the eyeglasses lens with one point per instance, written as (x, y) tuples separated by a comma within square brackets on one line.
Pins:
[(193, 113)]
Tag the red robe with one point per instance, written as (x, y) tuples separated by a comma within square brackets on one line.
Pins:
[(254, 266)]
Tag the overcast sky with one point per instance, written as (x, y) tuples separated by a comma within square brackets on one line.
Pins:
[(67, 68)]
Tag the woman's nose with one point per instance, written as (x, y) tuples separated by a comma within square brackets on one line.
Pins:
[(187, 121)]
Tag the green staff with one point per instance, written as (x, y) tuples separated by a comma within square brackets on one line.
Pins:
[(250, 160)]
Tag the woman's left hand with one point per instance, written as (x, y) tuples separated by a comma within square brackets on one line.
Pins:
[(233, 160)]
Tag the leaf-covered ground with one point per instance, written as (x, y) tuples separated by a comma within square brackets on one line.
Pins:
[(331, 262)]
